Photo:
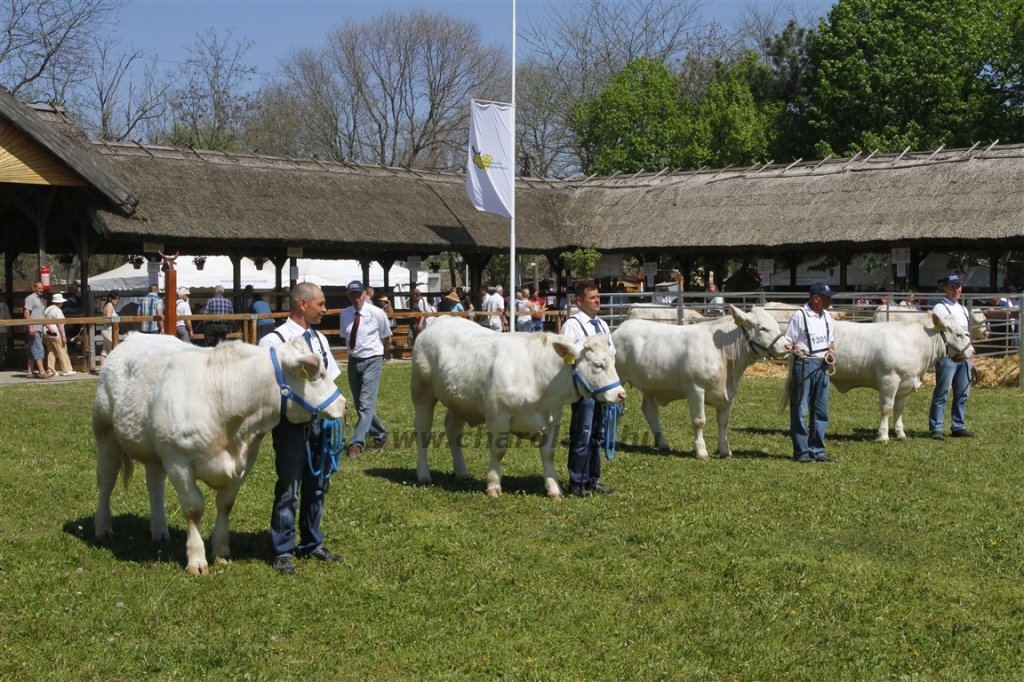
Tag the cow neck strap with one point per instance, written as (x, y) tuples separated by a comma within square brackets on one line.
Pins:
[(287, 392), (759, 346), (577, 382)]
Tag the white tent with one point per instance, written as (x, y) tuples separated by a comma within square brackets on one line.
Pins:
[(218, 270)]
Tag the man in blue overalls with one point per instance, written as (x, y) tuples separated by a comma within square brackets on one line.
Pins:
[(810, 336)]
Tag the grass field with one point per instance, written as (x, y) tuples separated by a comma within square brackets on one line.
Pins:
[(899, 562)]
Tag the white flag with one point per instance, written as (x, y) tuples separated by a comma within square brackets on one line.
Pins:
[(490, 170)]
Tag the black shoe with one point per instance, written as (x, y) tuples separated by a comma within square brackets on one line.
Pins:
[(804, 459), (963, 433), (379, 445), (937, 435), (577, 490), (823, 458), (603, 489), (283, 564), (323, 554)]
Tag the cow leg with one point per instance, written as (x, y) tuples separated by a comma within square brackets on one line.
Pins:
[(192, 504), (650, 409), (897, 415), (547, 458), (220, 539), (423, 422), (498, 431), (156, 479), (886, 396), (723, 436), (109, 459), (695, 399), (454, 428)]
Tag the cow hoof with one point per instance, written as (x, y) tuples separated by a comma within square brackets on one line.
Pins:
[(704, 457), (161, 536), (556, 495), (199, 569), (902, 436), (726, 455), (883, 440), (425, 481), (664, 447), (494, 492), (223, 560), (104, 534)]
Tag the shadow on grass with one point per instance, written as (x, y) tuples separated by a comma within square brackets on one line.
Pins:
[(528, 485), (131, 541)]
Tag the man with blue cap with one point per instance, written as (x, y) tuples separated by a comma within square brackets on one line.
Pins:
[(366, 328), (812, 340), (948, 373)]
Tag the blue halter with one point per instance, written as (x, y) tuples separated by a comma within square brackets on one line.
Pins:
[(287, 392), (577, 382)]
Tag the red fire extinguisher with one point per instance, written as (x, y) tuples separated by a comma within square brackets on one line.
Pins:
[(44, 277)]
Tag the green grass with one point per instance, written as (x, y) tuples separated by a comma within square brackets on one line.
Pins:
[(902, 561)]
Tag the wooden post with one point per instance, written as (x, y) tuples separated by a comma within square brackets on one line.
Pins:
[(115, 334), (844, 264), (171, 302), (364, 263), (993, 271)]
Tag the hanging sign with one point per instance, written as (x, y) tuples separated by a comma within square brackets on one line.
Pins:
[(765, 266), (650, 271), (295, 252), (901, 256), (152, 247), (414, 262)]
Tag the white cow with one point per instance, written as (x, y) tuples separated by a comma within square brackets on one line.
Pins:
[(702, 363), (782, 312), (904, 311), (656, 312), (514, 383), (191, 414), (892, 358)]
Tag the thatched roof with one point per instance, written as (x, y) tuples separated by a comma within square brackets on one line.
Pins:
[(211, 198), (966, 199)]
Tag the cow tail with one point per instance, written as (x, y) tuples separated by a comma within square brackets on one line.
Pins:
[(127, 468), (784, 399)]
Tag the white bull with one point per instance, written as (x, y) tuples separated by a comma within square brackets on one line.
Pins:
[(782, 312), (516, 384), (657, 312), (906, 312), (191, 414), (892, 358), (702, 363)]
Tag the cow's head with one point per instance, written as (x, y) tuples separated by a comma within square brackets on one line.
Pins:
[(593, 369), (979, 325), (307, 386), (761, 330), (958, 344)]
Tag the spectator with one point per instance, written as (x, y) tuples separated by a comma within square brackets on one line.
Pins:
[(183, 327), (260, 307), (152, 306), (715, 301), (524, 318), (539, 308), (247, 299), (366, 328), (494, 303), (56, 339), (33, 310), (465, 299), (417, 304), (216, 330), (107, 333)]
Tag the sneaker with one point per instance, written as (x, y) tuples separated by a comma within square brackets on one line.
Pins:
[(321, 553), (937, 435), (379, 445), (354, 452), (963, 433), (283, 564), (69, 373)]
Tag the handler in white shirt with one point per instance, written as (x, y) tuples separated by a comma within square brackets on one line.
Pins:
[(367, 330), (810, 335), (948, 373)]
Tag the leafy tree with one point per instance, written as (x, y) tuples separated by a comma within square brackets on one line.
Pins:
[(920, 73), (635, 124), (582, 261)]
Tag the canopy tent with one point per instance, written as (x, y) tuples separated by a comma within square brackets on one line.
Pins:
[(218, 270)]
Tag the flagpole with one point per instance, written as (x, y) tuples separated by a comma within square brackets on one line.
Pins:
[(512, 239)]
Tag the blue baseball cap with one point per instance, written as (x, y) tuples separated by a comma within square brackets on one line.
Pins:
[(953, 278), (356, 287), (822, 289)]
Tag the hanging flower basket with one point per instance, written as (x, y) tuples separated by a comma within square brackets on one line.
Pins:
[(258, 262), (200, 262), (136, 261)]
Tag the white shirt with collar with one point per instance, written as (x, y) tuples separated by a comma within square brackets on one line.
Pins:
[(581, 326), (946, 308), (818, 331), (373, 330), (289, 330)]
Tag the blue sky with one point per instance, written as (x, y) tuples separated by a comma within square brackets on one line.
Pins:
[(164, 27)]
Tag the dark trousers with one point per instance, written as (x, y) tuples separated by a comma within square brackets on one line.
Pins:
[(215, 333), (297, 488), (586, 430)]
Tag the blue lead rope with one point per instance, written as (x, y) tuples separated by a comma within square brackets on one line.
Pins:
[(332, 442), (611, 428)]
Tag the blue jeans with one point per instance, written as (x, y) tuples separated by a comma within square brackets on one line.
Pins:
[(586, 431), (537, 325), (293, 476), (947, 374), (808, 394), (35, 347), (364, 380)]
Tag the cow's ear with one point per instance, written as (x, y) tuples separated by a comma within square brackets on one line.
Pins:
[(307, 366), (738, 316), (565, 350), (937, 322)]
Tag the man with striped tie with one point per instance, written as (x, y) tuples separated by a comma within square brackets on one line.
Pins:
[(367, 330), (587, 426)]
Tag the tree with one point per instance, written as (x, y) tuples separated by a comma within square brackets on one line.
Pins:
[(917, 73), (212, 102), (45, 46), (729, 127), (635, 124)]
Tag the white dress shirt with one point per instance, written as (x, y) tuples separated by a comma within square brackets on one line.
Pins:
[(581, 326), (373, 330), (289, 330), (817, 333), (946, 308)]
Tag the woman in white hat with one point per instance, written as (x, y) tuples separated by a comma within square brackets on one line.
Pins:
[(55, 338)]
